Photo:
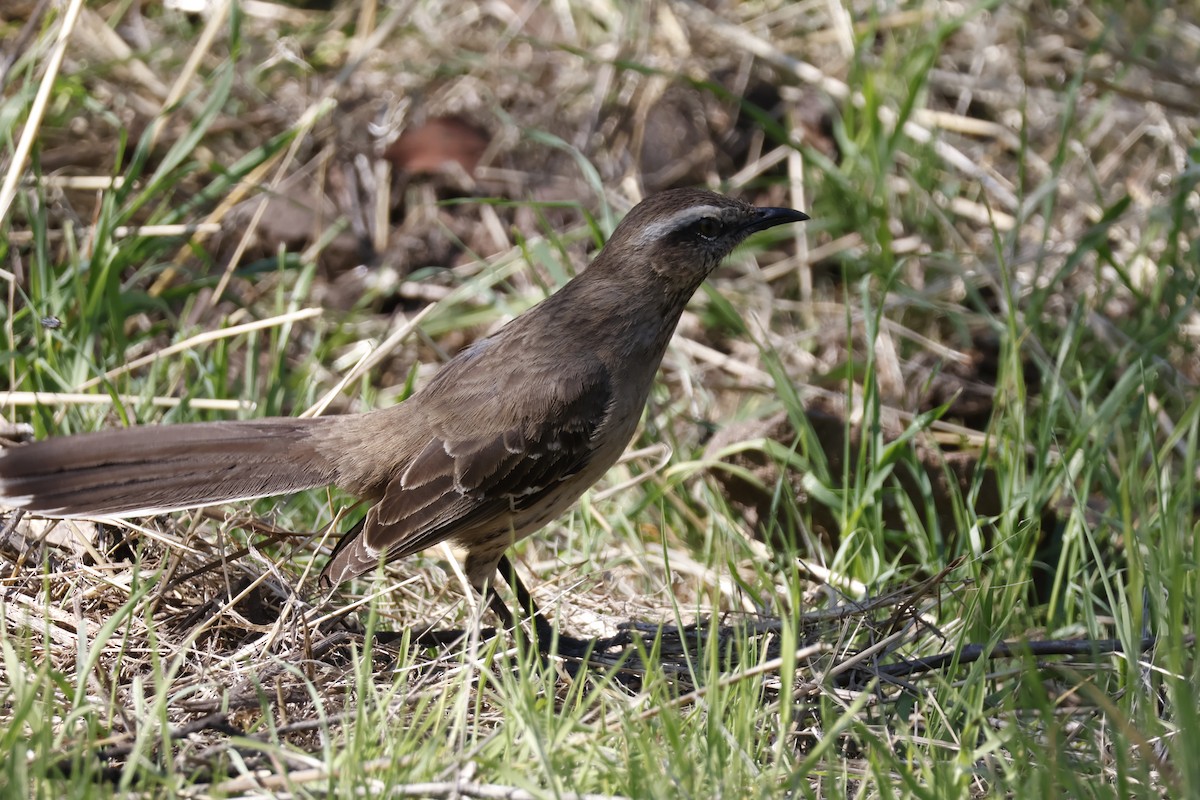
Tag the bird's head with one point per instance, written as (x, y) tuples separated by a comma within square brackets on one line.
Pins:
[(683, 234)]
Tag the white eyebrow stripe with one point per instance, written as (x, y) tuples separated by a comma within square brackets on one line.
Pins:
[(680, 219)]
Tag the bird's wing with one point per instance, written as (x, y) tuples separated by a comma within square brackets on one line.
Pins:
[(470, 472)]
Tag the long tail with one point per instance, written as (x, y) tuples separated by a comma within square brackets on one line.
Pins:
[(153, 469)]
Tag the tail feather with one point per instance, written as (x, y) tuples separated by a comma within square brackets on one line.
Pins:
[(154, 469)]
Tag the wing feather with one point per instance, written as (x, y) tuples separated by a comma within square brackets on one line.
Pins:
[(480, 469), (481, 478)]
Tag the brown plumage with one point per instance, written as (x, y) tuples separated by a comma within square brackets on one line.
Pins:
[(499, 443)]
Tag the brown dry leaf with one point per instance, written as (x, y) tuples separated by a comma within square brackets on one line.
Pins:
[(437, 145)]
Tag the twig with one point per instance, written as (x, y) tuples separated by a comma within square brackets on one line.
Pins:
[(974, 652)]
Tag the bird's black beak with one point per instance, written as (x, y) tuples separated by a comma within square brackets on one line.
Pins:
[(770, 217)]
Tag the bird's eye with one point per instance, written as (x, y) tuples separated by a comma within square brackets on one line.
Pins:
[(708, 227)]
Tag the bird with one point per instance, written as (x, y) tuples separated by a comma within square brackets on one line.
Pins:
[(504, 438)]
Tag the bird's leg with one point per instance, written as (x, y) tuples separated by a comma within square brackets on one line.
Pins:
[(543, 629)]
